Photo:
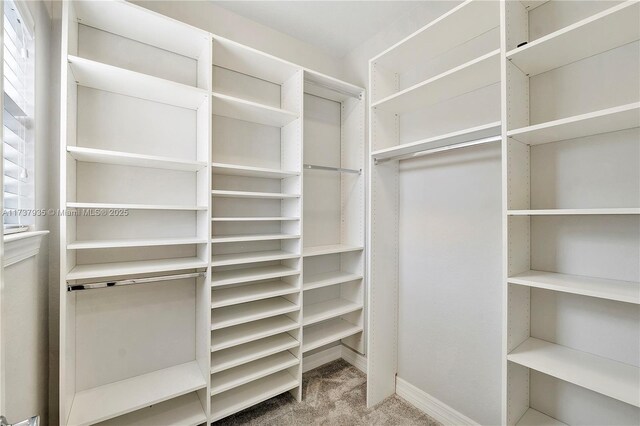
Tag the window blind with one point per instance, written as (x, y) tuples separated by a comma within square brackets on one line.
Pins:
[(17, 119)]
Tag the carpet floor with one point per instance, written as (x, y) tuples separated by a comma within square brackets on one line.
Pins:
[(333, 394)]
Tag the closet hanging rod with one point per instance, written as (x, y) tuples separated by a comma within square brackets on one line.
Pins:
[(326, 86), (131, 281), (332, 169), (439, 149)]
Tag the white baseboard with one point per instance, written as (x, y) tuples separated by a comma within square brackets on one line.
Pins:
[(354, 358), (310, 362), (430, 405)]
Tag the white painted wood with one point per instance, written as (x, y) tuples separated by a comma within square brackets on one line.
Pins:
[(236, 170), (327, 332), (245, 333), (242, 354), (229, 316), (254, 219), (250, 194), (115, 269), (237, 276), (115, 399), (103, 156), (573, 212), (329, 249), (325, 279), (239, 109), (317, 359), (608, 377), (248, 293), (328, 309), (536, 418), (251, 257), (603, 31), (94, 244), (244, 238), (120, 206)]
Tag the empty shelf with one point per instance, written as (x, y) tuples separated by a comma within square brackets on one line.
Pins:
[(254, 237), (473, 75), (249, 171), (251, 257), (245, 333), (611, 378), (329, 249), (229, 316), (242, 354), (238, 376), (327, 332), (454, 138), (593, 123), (115, 269), (574, 212), (121, 206), (92, 155), (96, 244), (249, 194), (535, 418), (328, 278), (115, 399), (240, 109), (322, 311), (603, 31), (254, 219), (250, 292), (623, 291), (100, 76), (250, 394), (184, 410), (237, 276)]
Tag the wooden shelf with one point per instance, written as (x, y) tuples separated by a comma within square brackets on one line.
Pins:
[(329, 249), (184, 410), (327, 332), (244, 275), (115, 269), (251, 257), (473, 75), (242, 354), (250, 292), (328, 309), (115, 399), (535, 418), (326, 279), (249, 171), (254, 370), (466, 135), (250, 394), (254, 219), (574, 212), (249, 194), (327, 87), (240, 109), (229, 316), (622, 291), (108, 78), (245, 333), (97, 244), (102, 156), (611, 378), (254, 237), (593, 123), (603, 31), (121, 206)]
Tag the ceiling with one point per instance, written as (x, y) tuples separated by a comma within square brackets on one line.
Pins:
[(335, 26)]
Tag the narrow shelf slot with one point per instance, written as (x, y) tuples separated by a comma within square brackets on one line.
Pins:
[(251, 257), (328, 309), (254, 219), (238, 276), (622, 291), (115, 269), (327, 332), (101, 156), (249, 194), (254, 370), (240, 109), (574, 212), (326, 279), (97, 244), (611, 378), (115, 399), (535, 418), (184, 410), (242, 354), (254, 237), (229, 316), (250, 292), (245, 333), (330, 249), (121, 206), (249, 171)]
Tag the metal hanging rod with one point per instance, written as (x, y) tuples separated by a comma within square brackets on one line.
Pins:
[(326, 86), (131, 281), (332, 169), (439, 149)]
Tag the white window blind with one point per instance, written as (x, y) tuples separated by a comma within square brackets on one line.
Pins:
[(18, 86)]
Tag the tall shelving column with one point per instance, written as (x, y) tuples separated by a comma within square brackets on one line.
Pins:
[(134, 182), (572, 191), (256, 240)]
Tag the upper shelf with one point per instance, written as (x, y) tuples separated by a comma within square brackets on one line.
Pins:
[(240, 109), (328, 87), (593, 123), (102, 206), (470, 76), (329, 249), (250, 171), (462, 23), (114, 269), (105, 77), (575, 212), (603, 31), (92, 155), (252, 194)]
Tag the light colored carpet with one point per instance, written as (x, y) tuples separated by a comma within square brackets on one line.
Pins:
[(333, 394)]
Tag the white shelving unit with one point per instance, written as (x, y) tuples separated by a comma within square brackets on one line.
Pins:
[(567, 265)]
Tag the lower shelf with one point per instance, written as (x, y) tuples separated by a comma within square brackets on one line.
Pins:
[(326, 279), (115, 399), (245, 396), (535, 418), (184, 410), (251, 311), (245, 275), (227, 296), (242, 354), (251, 257), (98, 270), (327, 332), (328, 309), (245, 333)]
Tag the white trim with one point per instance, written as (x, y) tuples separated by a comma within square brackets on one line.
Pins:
[(430, 405), (21, 246), (354, 358), (317, 359)]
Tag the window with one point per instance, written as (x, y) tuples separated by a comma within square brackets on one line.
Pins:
[(18, 86)]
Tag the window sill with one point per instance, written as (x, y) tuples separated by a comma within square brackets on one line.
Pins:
[(21, 246)]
